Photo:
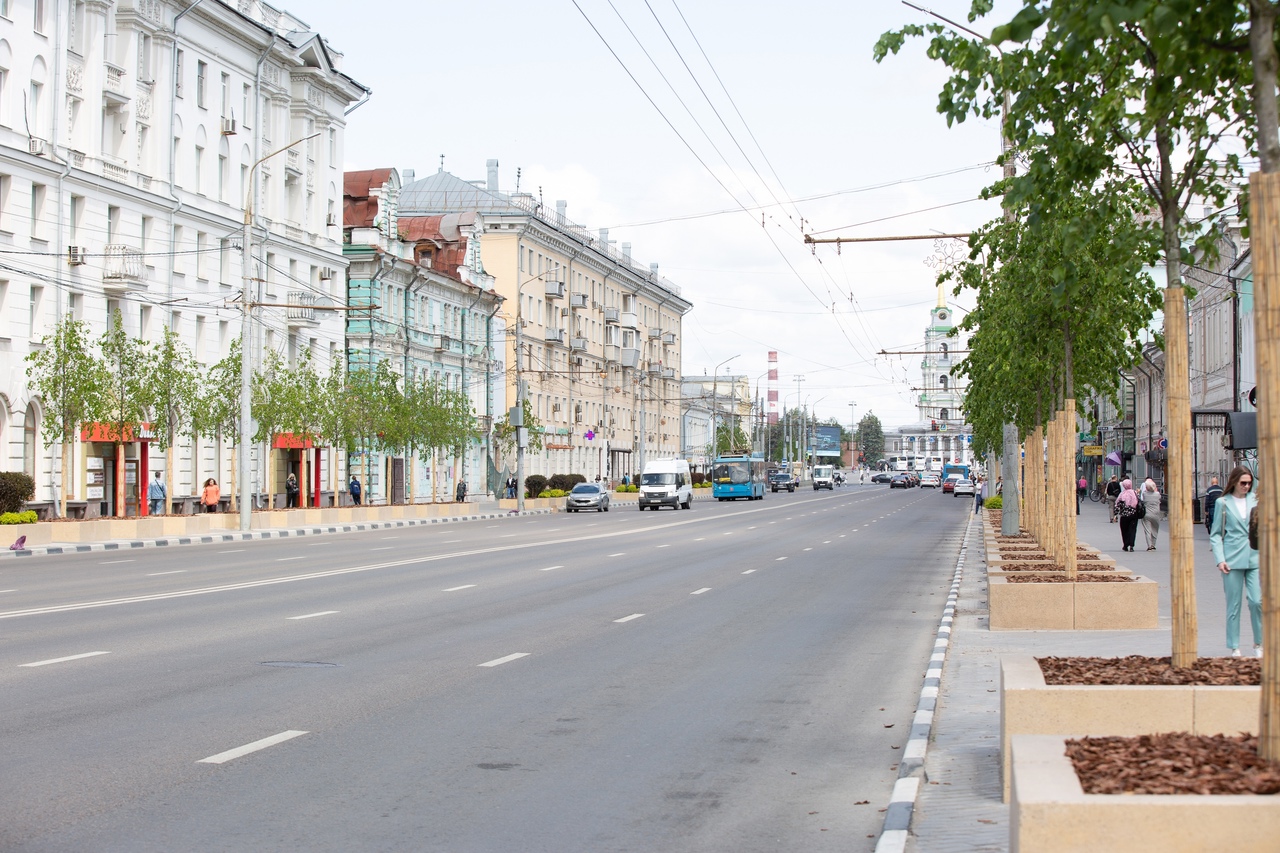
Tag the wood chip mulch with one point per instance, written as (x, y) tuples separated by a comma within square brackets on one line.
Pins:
[(1177, 763), (1049, 567), (1083, 577), (1139, 669)]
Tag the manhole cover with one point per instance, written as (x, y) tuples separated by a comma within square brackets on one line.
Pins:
[(297, 663)]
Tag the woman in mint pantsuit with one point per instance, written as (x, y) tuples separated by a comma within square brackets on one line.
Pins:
[(1229, 538)]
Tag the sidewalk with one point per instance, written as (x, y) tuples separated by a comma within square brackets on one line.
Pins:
[(958, 807)]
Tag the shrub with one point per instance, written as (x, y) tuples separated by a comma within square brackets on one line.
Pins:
[(565, 482), (698, 477), (633, 488), (16, 489), (534, 485), (553, 493), (28, 517), (995, 502)]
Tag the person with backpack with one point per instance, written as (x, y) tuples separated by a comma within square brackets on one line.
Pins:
[(354, 489), (1211, 496), (1113, 491)]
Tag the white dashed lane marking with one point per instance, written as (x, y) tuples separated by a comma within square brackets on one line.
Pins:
[(313, 615), (464, 586), (63, 660), (550, 568), (507, 659), (173, 572), (748, 571), (701, 591), (629, 618), (224, 757)]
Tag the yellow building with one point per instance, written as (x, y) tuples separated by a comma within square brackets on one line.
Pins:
[(595, 336)]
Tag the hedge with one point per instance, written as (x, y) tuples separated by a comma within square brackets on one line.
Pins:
[(16, 489), (27, 517), (565, 482), (534, 485), (995, 502)]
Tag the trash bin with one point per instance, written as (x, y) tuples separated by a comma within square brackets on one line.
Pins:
[(1197, 510)]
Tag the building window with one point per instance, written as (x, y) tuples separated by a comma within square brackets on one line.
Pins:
[(246, 95), (226, 96), (178, 65), (199, 167), (942, 382), (202, 74), (38, 16), (33, 316), (30, 430)]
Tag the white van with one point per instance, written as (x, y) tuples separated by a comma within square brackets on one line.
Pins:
[(666, 482), (824, 477)]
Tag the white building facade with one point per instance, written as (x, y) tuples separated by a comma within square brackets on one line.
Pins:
[(128, 137)]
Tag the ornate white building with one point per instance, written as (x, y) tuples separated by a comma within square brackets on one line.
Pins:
[(129, 133), (940, 436)]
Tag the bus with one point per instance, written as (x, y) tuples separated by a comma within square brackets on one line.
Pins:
[(739, 476)]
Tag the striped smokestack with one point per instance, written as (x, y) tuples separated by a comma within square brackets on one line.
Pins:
[(773, 388)]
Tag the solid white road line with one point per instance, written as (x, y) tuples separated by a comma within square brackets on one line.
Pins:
[(464, 586), (629, 618), (158, 574), (507, 659), (701, 591), (383, 548), (239, 550), (287, 559), (748, 571), (64, 660), (8, 590), (312, 615), (550, 568), (224, 757), (384, 538)]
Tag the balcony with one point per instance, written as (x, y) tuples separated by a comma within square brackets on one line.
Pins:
[(301, 313), (442, 343), (555, 289), (669, 339), (629, 356), (654, 333), (113, 91), (555, 336), (578, 343), (293, 164), (629, 320), (124, 270), (577, 300), (611, 353), (611, 315), (668, 373)]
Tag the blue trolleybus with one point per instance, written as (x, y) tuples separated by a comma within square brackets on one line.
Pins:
[(739, 476)]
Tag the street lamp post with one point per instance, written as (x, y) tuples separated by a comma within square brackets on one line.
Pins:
[(715, 389), (853, 432), (521, 437), (245, 321)]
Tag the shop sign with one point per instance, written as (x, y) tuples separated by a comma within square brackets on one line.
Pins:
[(1091, 450)]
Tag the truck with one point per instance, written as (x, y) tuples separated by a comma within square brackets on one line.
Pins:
[(823, 477), (666, 482)]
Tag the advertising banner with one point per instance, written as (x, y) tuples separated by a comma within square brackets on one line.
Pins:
[(826, 441)]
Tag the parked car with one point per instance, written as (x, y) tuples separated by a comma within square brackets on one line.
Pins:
[(929, 481), (900, 481), (949, 484), (963, 487), (587, 496), (781, 480), (881, 477)]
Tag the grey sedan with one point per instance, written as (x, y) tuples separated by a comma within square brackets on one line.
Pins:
[(587, 496), (963, 487)]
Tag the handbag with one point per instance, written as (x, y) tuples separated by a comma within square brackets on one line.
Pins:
[(1164, 503), (1142, 509)]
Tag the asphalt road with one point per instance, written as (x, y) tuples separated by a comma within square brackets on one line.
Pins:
[(736, 677)]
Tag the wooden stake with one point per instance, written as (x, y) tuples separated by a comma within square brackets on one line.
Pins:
[(1182, 574)]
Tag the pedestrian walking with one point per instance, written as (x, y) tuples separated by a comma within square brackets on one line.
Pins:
[(354, 489), (1151, 502), (1113, 491), (460, 494), (156, 494), (1236, 559), (999, 486), (291, 492), (210, 495), (1211, 496), (511, 486), (979, 495), (1128, 510)]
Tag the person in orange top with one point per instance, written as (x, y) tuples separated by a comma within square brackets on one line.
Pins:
[(209, 498)]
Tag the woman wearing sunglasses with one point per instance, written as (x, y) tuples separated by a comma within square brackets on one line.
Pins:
[(1238, 562)]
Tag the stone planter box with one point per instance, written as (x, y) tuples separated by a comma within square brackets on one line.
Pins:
[(37, 534), (1072, 606), (1028, 706), (998, 572), (1084, 565), (1050, 813)]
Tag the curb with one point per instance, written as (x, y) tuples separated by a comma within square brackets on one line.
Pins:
[(244, 536), (902, 802)]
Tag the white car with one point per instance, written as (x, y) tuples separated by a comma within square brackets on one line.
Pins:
[(929, 481), (963, 487)]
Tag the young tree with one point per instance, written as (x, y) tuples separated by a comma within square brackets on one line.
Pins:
[(172, 391), (336, 416), (217, 416), (123, 405), (69, 380), (871, 439)]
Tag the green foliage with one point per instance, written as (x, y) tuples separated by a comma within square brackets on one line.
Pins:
[(16, 488), (994, 502), (870, 438), (565, 482), (553, 493), (218, 410), (171, 388), (68, 378), (126, 361), (698, 478), (631, 488), (27, 517), (534, 484), (504, 434)]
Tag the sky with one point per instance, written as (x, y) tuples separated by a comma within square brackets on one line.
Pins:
[(711, 136)]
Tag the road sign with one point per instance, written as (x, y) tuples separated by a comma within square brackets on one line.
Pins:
[(1091, 450), (1163, 443)]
